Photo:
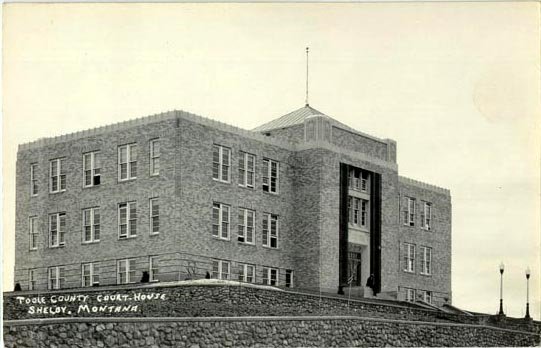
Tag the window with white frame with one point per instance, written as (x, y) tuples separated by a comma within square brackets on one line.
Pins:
[(410, 295), (427, 296), (90, 274), (246, 169), (31, 279), (57, 229), (221, 163), (154, 205), (153, 268), (270, 230), (358, 212), (289, 278), (34, 233), (126, 271), (220, 220), (246, 222), (409, 213), (426, 260), (127, 162), (270, 175), (57, 277), (91, 225), (57, 175), (270, 276), (91, 169), (409, 257), (246, 273), (220, 269), (127, 220), (426, 217), (33, 179), (154, 156)]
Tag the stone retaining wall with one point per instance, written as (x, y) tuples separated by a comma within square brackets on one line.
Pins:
[(253, 332), (172, 300)]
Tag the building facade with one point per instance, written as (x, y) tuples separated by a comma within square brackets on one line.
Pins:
[(302, 201)]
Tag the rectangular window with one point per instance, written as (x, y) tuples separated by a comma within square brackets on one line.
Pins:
[(246, 169), (358, 212), (127, 220), (270, 276), (126, 271), (91, 225), (127, 162), (270, 175), (220, 269), (270, 230), (246, 220), (426, 217), (154, 157), (410, 295), (153, 268), (427, 296), (33, 179), (358, 180), (90, 274), (289, 278), (409, 257), (426, 260), (57, 277), (91, 169), (31, 279), (57, 175), (34, 233), (220, 221), (154, 216), (246, 273), (409, 213), (221, 162), (57, 229)]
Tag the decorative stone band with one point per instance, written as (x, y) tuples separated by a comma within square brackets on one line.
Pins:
[(357, 155), (423, 185)]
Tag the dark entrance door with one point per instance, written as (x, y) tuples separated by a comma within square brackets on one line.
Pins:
[(354, 268)]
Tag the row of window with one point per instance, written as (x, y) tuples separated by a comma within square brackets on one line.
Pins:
[(126, 273), (127, 167), (91, 224), (221, 269), (425, 254), (90, 274), (410, 211), (412, 295), (221, 222), (221, 169)]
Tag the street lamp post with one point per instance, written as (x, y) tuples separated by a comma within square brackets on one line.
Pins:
[(501, 288), (527, 293)]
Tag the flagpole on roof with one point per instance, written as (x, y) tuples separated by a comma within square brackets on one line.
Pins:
[(307, 49)]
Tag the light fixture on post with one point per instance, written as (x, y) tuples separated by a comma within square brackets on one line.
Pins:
[(502, 267), (527, 293)]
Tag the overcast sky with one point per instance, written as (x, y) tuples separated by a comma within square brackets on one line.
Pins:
[(455, 84)]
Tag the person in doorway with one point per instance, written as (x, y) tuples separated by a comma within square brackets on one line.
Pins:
[(370, 283)]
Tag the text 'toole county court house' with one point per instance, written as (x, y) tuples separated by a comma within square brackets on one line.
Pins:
[(302, 201)]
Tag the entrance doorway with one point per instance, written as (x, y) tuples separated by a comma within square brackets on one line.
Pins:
[(354, 268)]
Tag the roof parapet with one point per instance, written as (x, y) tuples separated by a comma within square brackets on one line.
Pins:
[(97, 130), (424, 185)]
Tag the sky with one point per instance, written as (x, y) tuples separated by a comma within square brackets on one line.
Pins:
[(457, 85)]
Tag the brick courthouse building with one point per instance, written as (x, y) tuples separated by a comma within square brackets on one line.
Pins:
[(302, 201)]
